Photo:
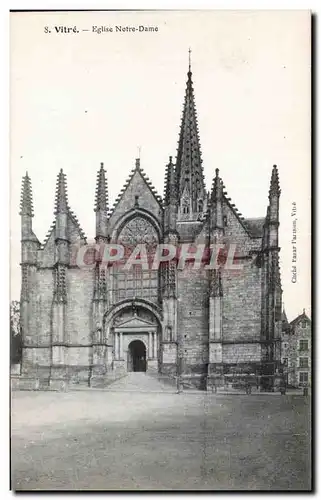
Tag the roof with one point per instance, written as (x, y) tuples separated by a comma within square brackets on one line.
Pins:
[(299, 318), (284, 317), (255, 226)]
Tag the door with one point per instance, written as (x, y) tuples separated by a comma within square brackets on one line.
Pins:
[(136, 356)]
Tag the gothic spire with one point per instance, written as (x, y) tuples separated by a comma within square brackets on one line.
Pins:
[(26, 203), (61, 202), (170, 191), (274, 185), (101, 202), (189, 168)]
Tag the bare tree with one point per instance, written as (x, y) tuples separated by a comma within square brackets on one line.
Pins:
[(15, 332)]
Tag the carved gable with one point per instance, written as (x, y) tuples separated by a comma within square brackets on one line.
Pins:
[(139, 192)]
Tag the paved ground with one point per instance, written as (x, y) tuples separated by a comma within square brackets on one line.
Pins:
[(159, 441), (142, 382)]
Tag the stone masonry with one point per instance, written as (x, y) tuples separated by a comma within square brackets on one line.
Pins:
[(90, 324)]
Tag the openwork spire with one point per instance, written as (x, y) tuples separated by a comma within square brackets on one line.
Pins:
[(170, 191), (101, 202), (189, 168), (274, 185), (26, 203), (61, 202)]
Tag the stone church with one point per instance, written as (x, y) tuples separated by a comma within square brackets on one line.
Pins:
[(201, 325)]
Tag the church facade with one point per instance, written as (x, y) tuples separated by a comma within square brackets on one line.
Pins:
[(91, 324)]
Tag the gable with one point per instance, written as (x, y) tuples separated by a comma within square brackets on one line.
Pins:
[(136, 323), (46, 256), (147, 199), (297, 321), (75, 233)]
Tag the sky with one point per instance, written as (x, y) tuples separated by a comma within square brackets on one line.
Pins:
[(79, 99)]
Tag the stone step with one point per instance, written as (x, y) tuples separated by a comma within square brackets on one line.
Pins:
[(141, 382)]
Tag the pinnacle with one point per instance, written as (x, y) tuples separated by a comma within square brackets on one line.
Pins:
[(217, 186), (26, 203), (274, 185), (101, 202), (61, 201), (170, 191)]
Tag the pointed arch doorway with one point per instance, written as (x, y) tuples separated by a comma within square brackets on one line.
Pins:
[(136, 356)]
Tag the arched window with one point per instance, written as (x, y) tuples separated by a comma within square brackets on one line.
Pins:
[(136, 282)]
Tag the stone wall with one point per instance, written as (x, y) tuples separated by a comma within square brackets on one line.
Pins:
[(242, 303), (79, 306), (192, 317)]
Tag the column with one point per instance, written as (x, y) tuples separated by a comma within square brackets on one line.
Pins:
[(116, 347), (150, 345), (155, 345), (121, 354)]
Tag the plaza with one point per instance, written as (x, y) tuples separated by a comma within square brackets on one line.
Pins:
[(129, 440)]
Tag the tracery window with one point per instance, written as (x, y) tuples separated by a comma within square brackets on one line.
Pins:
[(136, 282)]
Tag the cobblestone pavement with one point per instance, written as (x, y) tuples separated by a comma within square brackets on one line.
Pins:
[(102, 440)]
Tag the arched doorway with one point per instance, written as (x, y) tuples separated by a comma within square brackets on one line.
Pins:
[(136, 361)]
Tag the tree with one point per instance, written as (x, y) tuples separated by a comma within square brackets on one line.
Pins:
[(15, 333)]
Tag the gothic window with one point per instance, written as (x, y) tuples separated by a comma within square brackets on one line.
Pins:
[(136, 282), (200, 205), (225, 220)]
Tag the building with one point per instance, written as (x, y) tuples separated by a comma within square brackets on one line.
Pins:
[(296, 350), (88, 325)]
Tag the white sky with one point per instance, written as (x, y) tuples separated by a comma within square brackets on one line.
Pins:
[(251, 73)]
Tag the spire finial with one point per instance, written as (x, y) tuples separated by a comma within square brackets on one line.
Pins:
[(189, 59), (137, 163)]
